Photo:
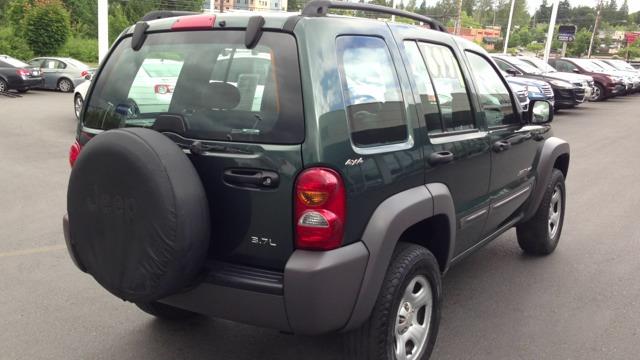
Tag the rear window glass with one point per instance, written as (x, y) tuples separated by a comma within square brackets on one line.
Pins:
[(206, 82), (13, 62)]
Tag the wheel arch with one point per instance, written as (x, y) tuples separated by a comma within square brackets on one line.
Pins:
[(404, 217), (554, 154)]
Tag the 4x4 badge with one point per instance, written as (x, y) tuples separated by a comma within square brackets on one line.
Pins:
[(354, 162)]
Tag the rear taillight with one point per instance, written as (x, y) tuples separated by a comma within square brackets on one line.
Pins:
[(163, 89), (74, 151), (320, 209), (22, 72), (84, 73)]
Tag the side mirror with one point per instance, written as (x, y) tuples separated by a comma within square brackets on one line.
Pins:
[(512, 72), (540, 112), (576, 71)]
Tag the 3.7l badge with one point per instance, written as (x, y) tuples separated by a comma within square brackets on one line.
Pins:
[(263, 241)]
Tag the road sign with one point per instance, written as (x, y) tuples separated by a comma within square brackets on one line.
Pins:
[(567, 33)]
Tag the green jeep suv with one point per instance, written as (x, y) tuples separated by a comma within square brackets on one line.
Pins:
[(309, 172)]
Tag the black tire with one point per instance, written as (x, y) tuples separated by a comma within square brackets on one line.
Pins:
[(65, 85), (535, 236), (166, 312), (4, 86), (138, 214), (23, 91), (376, 338), (601, 94)]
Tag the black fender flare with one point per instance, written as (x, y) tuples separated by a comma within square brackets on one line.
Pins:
[(550, 151), (390, 219)]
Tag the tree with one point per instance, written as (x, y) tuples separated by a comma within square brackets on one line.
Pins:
[(47, 26), (564, 12), (83, 16), (117, 22), (543, 14), (580, 45)]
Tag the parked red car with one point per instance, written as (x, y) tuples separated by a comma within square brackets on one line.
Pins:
[(606, 85)]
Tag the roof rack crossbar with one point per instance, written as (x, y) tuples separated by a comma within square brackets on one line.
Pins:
[(316, 8), (163, 14)]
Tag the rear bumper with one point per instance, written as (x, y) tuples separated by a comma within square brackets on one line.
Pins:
[(315, 294), (29, 83)]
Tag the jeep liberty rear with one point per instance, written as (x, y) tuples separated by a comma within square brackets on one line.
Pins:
[(305, 172)]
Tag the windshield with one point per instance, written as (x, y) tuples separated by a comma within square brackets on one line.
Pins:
[(525, 67), (539, 64), (622, 65), (588, 65), (13, 62), (204, 85), (604, 65)]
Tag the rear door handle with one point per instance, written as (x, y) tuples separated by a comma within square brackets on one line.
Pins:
[(501, 145), (252, 178), (440, 158)]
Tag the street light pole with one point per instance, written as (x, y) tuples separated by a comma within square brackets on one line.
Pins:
[(103, 29), (552, 27), (506, 41), (595, 28)]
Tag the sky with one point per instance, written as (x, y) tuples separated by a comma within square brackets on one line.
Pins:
[(634, 5)]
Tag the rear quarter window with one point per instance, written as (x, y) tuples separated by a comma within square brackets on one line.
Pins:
[(371, 91), (207, 80)]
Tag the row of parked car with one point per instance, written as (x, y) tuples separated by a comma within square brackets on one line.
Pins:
[(568, 82), (54, 73)]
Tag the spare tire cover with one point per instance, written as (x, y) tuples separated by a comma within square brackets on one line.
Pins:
[(138, 214)]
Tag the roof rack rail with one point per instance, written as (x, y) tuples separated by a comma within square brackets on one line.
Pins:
[(162, 14), (317, 8)]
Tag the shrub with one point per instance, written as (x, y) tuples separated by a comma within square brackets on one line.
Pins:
[(14, 46), (47, 27), (85, 50)]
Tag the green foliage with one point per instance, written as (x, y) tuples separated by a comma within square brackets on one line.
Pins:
[(83, 17), (117, 22), (47, 27), (85, 50), (15, 13), (535, 47), (12, 45), (580, 45)]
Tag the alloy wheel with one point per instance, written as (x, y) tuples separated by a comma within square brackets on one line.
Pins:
[(555, 211), (413, 318), (65, 85), (78, 105)]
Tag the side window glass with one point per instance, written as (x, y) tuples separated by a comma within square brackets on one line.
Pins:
[(49, 64), (424, 86), (60, 65), (371, 91), (504, 66), (494, 97), (450, 88)]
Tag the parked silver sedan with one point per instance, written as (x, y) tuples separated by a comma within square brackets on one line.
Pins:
[(62, 74)]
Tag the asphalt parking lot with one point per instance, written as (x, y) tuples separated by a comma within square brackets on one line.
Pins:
[(583, 302)]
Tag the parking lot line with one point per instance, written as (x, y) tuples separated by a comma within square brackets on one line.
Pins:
[(32, 251)]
